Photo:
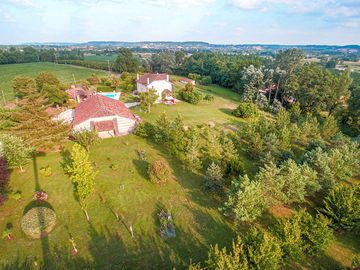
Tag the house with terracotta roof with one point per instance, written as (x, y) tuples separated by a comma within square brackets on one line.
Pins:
[(187, 80), (157, 81), (78, 93), (109, 117)]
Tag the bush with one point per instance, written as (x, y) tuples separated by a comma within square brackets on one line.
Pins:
[(38, 222), (342, 207), (205, 80), (234, 169), (193, 97), (159, 171), (144, 129), (40, 196), (46, 171), (209, 97), (246, 110)]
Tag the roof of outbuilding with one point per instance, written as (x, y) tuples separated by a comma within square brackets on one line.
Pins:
[(143, 79), (100, 106)]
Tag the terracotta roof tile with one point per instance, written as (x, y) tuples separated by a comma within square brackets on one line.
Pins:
[(143, 79), (100, 106)]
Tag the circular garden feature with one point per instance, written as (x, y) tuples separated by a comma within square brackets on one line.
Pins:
[(38, 222)]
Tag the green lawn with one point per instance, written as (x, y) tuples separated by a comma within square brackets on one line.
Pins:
[(106, 243), (64, 72)]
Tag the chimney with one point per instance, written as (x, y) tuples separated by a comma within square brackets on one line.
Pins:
[(148, 80), (167, 77), (137, 76)]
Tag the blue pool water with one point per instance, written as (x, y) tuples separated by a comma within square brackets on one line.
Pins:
[(111, 95)]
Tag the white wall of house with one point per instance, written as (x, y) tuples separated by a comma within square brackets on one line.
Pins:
[(125, 125), (159, 86)]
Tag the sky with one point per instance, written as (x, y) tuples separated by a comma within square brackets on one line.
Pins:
[(216, 21)]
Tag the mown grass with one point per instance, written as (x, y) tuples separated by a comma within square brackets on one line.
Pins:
[(65, 73), (106, 242)]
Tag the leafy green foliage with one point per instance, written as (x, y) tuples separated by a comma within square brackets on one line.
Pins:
[(35, 126), (126, 61), (147, 99), (221, 259), (81, 173), (23, 86), (14, 150), (193, 97), (86, 138), (214, 178), (246, 110), (245, 201), (159, 172), (315, 232), (342, 207), (263, 249), (46, 171)]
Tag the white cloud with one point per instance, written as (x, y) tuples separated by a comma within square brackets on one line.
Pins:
[(27, 3), (179, 3), (331, 8), (6, 17)]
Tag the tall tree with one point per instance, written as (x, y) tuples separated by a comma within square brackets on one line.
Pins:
[(82, 174), (245, 200), (126, 61), (23, 86), (34, 124)]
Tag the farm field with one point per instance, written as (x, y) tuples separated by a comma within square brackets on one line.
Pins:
[(64, 72), (100, 58)]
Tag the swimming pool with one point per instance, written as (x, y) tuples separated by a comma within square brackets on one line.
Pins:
[(112, 95)]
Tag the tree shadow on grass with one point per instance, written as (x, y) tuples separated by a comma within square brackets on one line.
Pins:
[(142, 167)]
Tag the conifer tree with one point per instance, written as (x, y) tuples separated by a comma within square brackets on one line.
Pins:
[(34, 124), (221, 259), (263, 249), (23, 86), (342, 207), (82, 175), (245, 200)]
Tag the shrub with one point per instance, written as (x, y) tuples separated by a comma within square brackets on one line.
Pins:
[(159, 171), (205, 80), (40, 196), (209, 97), (144, 129), (193, 97), (38, 222), (86, 138), (246, 110), (46, 171), (342, 207), (234, 169)]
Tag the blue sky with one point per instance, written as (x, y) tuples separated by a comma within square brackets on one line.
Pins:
[(215, 21)]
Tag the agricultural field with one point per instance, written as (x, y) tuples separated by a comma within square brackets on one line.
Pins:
[(100, 58), (65, 73)]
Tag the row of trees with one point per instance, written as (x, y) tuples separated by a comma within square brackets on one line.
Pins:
[(290, 240), (30, 54)]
